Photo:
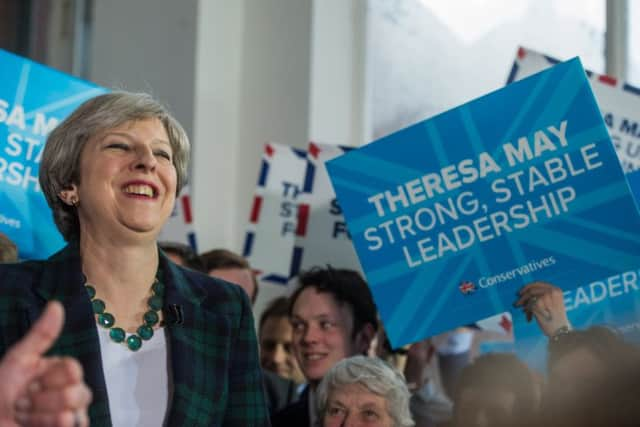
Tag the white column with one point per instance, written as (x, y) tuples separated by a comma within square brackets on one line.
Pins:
[(338, 107), (148, 46), (616, 38), (252, 86)]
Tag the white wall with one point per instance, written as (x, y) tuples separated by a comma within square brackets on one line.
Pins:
[(237, 74), (147, 45), (252, 86), (216, 124), (274, 94), (338, 86)]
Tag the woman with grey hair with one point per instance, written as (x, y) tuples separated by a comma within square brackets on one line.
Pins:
[(363, 391), (159, 344)]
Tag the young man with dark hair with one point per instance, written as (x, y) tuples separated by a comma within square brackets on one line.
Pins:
[(333, 317)]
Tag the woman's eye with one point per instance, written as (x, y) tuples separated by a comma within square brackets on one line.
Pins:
[(370, 415), (334, 410), (163, 154), (118, 146)]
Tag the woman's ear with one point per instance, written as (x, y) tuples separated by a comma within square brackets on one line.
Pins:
[(70, 195)]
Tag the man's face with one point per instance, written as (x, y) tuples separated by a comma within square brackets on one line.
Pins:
[(322, 333), (276, 348), (242, 277)]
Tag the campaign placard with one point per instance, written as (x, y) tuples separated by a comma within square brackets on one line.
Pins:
[(33, 100), (324, 237), (450, 217), (619, 102), (270, 240), (614, 300)]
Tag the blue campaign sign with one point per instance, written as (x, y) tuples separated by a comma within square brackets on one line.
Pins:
[(33, 100), (450, 217), (634, 183), (612, 301)]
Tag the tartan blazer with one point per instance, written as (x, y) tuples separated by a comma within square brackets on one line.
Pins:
[(214, 365)]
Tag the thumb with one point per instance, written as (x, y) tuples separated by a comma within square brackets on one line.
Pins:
[(21, 363), (41, 335)]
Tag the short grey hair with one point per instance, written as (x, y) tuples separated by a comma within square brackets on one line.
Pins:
[(376, 376), (60, 166)]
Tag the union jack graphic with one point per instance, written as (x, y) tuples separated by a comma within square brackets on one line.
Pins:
[(467, 287), (506, 324)]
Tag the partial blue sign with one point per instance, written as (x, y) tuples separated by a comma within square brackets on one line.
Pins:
[(33, 100), (450, 217), (634, 183), (612, 301)]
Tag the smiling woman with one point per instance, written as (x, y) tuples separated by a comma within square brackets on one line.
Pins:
[(107, 121), (111, 173)]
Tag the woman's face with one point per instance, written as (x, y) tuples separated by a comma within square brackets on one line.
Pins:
[(354, 405), (127, 180)]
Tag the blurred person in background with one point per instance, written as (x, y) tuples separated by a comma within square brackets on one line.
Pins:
[(496, 390), (282, 374), (227, 265), (275, 336), (453, 350), (182, 255), (8, 249), (593, 376), (381, 347), (429, 403)]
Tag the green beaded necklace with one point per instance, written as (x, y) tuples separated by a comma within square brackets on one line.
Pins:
[(150, 318)]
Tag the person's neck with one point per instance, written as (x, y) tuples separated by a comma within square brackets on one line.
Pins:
[(122, 274)]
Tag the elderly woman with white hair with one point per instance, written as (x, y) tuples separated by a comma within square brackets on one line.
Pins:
[(363, 391)]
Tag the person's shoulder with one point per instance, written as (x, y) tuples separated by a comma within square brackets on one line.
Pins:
[(220, 293), (20, 276), (281, 392), (296, 414), (213, 285)]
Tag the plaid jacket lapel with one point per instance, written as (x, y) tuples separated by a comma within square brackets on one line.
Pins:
[(62, 279), (216, 374), (196, 391)]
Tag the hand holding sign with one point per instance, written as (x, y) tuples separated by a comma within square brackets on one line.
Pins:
[(545, 302)]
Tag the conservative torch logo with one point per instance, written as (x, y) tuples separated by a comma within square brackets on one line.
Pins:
[(467, 287)]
